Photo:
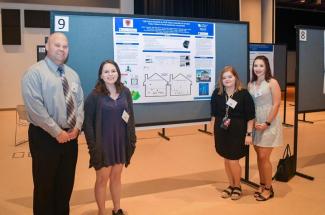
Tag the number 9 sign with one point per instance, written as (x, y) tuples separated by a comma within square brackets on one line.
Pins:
[(61, 23)]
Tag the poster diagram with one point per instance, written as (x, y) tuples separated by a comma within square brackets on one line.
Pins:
[(165, 60), (180, 85), (261, 49), (155, 86)]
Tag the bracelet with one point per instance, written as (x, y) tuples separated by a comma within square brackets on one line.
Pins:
[(249, 134), (267, 123)]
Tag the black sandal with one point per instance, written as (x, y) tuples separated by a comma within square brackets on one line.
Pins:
[(118, 212), (260, 190), (236, 193), (226, 193), (262, 198)]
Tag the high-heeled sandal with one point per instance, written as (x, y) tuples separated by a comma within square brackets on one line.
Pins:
[(118, 212), (260, 190), (260, 197), (236, 193), (226, 193)]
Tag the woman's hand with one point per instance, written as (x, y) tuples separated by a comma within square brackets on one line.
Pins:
[(248, 140), (261, 126)]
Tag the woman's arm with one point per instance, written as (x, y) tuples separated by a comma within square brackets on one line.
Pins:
[(249, 133), (276, 99), (276, 102), (131, 123), (213, 107), (89, 122), (250, 117)]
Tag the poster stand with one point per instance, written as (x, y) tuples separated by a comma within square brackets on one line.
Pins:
[(285, 109), (295, 147), (163, 134), (205, 130), (284, 123), (246, 179), (304, 119), (296, 128)]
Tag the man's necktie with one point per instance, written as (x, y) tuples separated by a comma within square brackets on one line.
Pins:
[(71, 115)]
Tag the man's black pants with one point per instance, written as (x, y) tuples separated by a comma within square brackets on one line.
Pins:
[(54, 166)]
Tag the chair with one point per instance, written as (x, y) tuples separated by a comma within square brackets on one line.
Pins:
[(21, 120)]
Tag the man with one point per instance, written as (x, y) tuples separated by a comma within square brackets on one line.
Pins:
[(54, 103)]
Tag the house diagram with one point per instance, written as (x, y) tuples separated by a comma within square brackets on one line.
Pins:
[(180, 85), (155, 85)]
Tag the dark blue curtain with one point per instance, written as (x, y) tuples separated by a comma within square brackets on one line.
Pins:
[(213, 9)]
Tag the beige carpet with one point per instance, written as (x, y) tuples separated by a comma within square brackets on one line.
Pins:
[(182, 176)]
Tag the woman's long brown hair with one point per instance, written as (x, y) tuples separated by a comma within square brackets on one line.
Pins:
[(268, 74), (100, 86)]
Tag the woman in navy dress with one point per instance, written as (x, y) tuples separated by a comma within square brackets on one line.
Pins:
[(232, 113), (110, 133)]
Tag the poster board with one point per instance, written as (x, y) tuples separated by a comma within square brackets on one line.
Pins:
[(310, 76), (91, 41)]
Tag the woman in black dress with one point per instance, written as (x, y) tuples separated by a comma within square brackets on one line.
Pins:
[(233, 113), (110, 133)]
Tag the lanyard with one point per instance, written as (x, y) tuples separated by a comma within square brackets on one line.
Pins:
[(227, 106)]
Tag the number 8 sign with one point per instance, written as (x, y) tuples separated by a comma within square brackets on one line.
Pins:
[(303, 35), (61, 23)]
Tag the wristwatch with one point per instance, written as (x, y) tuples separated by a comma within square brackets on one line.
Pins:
[(267, 123), (249, 134)]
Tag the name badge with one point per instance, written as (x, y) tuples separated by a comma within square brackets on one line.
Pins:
[(125, 116), (232, 103), (74, 87), (258, 94)]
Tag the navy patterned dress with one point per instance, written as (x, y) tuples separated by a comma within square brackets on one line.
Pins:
[(114, 129)]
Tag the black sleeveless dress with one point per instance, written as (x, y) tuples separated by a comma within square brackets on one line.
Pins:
[(230, 143)]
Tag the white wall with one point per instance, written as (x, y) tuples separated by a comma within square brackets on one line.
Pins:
[(259, 14), (250, 11), (15, 59), (127, 6), (267, 21)]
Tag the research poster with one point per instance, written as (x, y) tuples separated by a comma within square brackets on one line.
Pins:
[(165, 60), (261, 49)]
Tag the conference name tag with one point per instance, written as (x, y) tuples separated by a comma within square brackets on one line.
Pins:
[(258, 94), (125, 116), (232, 103), (74, 87)]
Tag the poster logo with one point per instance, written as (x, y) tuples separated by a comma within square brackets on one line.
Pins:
[(127, 23)]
